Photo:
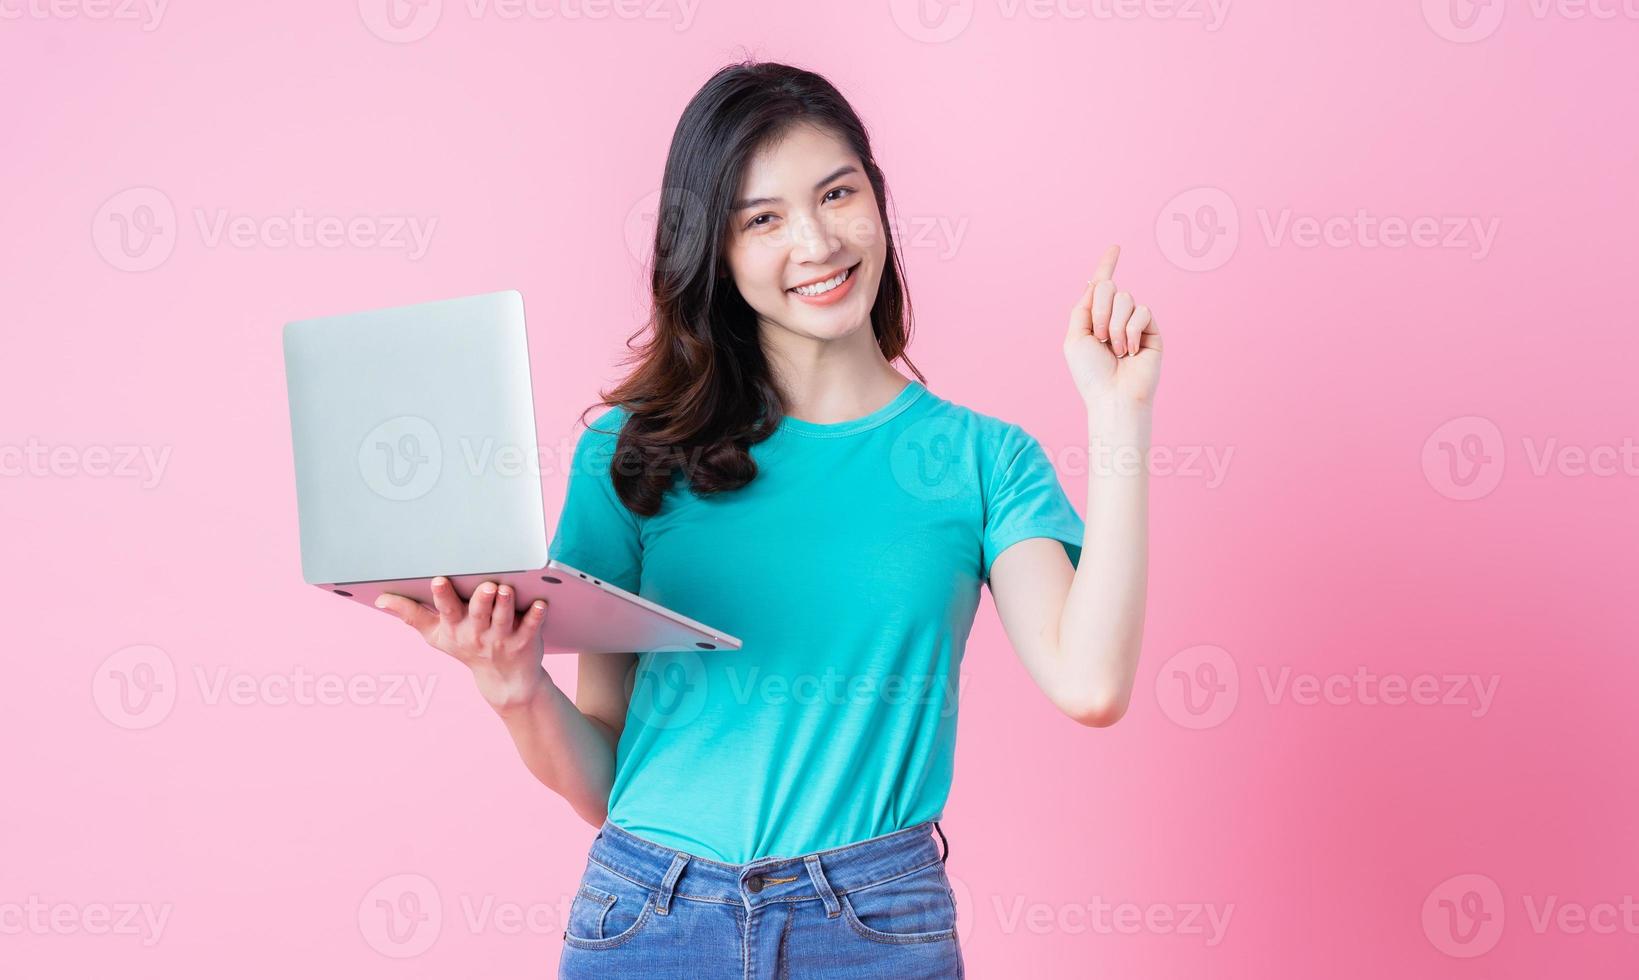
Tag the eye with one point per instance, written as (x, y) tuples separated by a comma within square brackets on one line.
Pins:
[(758, 222)]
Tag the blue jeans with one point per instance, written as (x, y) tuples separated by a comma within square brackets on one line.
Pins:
[(877, 908)]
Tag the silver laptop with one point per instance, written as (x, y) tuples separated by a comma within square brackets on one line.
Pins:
[(414, 437)]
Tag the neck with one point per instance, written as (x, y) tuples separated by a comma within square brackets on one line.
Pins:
[(827, 381)]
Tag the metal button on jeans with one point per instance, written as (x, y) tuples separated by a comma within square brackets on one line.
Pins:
[(755, 883)]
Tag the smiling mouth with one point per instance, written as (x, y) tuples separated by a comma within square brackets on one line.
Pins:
[(821, 288)]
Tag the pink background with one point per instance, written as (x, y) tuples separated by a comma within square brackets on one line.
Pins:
[(1343, 538)]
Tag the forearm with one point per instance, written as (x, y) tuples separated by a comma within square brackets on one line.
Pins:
[(1101, 628), (572, 754)]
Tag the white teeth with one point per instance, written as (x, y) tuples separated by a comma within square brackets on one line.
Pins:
[(826, 286)]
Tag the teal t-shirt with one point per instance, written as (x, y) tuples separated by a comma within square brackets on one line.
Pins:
[(850, 568)]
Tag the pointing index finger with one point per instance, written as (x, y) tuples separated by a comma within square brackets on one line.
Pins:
[(1106, 265)]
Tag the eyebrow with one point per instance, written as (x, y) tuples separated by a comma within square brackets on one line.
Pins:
[(846, 168)]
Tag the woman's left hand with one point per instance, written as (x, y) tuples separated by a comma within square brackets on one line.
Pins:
[(1113, 346)]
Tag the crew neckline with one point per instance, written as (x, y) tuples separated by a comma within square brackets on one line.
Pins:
[(913, 390)]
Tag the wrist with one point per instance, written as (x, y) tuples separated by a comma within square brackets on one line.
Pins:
[(513, 695), (1119, 416)]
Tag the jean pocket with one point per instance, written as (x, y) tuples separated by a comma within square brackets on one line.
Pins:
[(608, 910), (915, 908)]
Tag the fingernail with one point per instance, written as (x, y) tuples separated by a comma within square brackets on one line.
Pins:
[(381, 602)]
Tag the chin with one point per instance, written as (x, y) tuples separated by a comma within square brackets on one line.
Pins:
[(830, 327)]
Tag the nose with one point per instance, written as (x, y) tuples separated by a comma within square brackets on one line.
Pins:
[(813, 239)]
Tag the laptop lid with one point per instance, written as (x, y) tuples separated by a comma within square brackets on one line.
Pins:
[(413, 430)]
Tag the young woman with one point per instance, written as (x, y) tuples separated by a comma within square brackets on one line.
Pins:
[(766, 812)]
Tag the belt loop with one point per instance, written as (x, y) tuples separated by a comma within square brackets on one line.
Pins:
[(942, 841), (662, 902), (832, 907)]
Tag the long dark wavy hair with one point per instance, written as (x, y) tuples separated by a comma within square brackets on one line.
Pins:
[(702, 393)]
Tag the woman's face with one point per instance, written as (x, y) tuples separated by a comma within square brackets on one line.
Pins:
[(805, 212)]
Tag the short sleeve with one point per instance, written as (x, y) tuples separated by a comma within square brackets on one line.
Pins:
[(1024, 499), (596, 533)]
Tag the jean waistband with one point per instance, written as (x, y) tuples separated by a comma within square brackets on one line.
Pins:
[(820, 875)]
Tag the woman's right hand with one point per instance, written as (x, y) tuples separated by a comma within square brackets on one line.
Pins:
[(502, 649)]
